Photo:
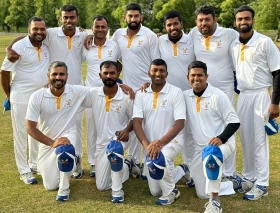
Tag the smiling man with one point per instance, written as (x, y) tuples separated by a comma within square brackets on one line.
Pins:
[(28, 75)]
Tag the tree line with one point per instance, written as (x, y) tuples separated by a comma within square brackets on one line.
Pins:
[(15, 13)]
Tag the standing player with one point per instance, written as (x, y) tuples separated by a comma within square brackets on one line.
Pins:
[(138, 46), (161, 110), (112, 115), (211, 45), (257, 63), (51, 119), (29, 75), (102, 49), (212, 121)]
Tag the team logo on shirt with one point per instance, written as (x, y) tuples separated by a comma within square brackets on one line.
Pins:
[(219, 43), (68, 103), (110, 53), (79, 44), (252, 56), (140, 43), (185, 51), (206, 106), (46, 55), (118, 108), (163, 103)]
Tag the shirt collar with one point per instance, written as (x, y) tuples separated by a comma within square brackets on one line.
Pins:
[(49, 94), (140, 32), (61, 33), (119, 95), (107, 43), (27, 42), (251, 42), (164, 90), (218, 32), (206, 93), (184, 38)]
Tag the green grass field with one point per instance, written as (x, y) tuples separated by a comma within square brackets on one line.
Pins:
[(15, 196)]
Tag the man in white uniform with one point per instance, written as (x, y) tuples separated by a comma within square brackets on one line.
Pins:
[(161, 110), (29, 74), (112, 117), (138, 46), (212, 121), (257, 63), (211, 45), (51, 119), (102, 49)]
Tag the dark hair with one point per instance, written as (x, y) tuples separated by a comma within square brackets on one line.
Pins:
[(133, 6), (197, 64), (35, 18), (69, 8), (107, 64), (99, 18), (158, 62), (172, 14), (244, 8), (57, 64), (205, 9)]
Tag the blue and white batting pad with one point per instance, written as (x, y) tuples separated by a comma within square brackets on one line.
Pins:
[(156, 167), (66, 157), (271, 126), (114, 151), (212, 158)]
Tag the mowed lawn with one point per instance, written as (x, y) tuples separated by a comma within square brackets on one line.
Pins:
[(15, 196)]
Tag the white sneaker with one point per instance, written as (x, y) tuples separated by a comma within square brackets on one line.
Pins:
[(213, 206), (79, 172), (28, 178), (166, 200), (134, 170), (243, 184), (92, 171), (256, 193), (63, 194), (117, 196)]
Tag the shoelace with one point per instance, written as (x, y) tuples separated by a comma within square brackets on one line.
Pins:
[(212, 203)]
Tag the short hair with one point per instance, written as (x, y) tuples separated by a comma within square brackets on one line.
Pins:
[(172, 14), (244, 8), (197, 64), (69, 8), (35, 18), (205, 9), (57, 64), (158, 62), (99, 18), (133, 6), (108, 63)]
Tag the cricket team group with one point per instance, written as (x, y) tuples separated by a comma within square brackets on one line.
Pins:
[(186, 104)]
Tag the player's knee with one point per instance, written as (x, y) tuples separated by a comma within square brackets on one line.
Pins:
[(202, 195), (51, 187), (102, 187), (155, 192)]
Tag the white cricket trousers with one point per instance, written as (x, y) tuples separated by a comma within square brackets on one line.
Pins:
[(21, 139), (78, 140), (134, 147), (52, 177), (91, 136), (203, 185), (106, 178), (171, 175), (252, 109)]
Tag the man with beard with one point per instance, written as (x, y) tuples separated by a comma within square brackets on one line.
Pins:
[(112, 117), (50, 119), (29, 75), (138, 46), (211, 45), (102, 49), (257, 63)]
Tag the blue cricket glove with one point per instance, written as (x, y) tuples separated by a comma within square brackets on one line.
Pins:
[(7, 105)]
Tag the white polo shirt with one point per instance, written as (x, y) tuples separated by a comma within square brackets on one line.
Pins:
[(178, 57), (160, 111), (56, 115), (110, 115), (29, 73), (95, 56), (209, 114), (137, 55), (255, 61), (68, 50), (214, 51)]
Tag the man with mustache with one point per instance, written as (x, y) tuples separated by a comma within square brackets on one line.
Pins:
[(257, 63), (28, 75)]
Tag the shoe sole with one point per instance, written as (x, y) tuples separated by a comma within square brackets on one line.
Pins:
[(79, 175), (31, 182), (62, 199), (168, 203), (245, 198)]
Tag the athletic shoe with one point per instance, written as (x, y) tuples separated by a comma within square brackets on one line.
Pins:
[(63, 194), (134, 170), (213, 206), (34, 169), (92, 171), (79, 172), (256, 193), (117, 196), (240, 183), (143, 176), (166, 200), (187, 178), (28, 178)]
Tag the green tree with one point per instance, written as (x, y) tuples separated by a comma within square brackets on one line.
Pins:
[(17, 14), (5, 4)]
